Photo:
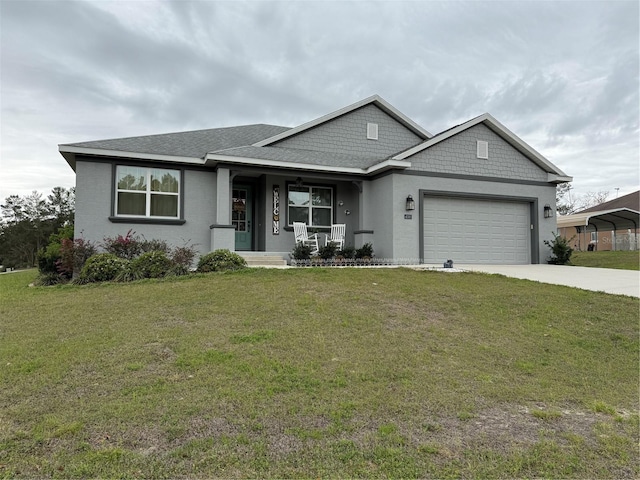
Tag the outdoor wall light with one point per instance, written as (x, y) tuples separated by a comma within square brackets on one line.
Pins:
[(347, 212), (548, 211), (411, 204)]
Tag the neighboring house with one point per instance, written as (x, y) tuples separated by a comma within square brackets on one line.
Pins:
[(612, 225), (474, 193)]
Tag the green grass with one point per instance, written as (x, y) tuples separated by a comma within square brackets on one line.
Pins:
[(317, 373), (625, 260)]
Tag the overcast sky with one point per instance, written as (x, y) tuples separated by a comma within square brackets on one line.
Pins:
[(563, 76)]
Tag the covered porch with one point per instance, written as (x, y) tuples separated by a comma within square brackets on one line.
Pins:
[(255, 209)]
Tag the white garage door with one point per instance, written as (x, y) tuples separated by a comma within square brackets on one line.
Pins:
[(468, 230)]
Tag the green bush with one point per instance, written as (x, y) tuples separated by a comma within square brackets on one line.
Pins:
[(102, 267), (153, 264), (49, 257), (301, 252), (220, 260), (365, 251), (46, 279), (347, 252), (560, 249), (155, 245), (128, 274), (328, 251)]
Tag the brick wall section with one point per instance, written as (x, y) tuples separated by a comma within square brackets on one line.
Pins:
[(457, 155), (348, 134)]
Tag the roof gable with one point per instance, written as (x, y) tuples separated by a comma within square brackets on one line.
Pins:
[(375, 100), (554, 173), (458, 155), (350, 134)]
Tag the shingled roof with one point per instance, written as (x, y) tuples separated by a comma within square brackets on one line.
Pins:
[(194, 144), (295, 155), (231, 143), (631, 201), (256, 145)]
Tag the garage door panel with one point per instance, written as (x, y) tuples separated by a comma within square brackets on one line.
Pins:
[(470, 230)]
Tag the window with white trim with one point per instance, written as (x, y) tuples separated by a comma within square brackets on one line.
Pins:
[(312, 205), (147, 192)]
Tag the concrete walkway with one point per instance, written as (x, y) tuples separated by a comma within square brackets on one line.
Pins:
[(609, 280)]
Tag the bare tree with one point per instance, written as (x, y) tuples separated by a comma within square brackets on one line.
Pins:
[(568, 203), (592, 199), (565, 201)]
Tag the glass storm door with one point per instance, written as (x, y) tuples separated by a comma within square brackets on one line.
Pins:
[(241, 216)]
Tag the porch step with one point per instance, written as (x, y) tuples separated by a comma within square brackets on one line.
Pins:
[(264, 260)]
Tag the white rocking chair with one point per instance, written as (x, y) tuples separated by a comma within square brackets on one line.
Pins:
[(336, 236), (302, 237)]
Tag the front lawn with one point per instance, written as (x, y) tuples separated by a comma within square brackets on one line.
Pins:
[(626, 260), (317, 373)]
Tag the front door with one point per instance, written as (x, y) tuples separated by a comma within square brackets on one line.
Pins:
[(241, 200)]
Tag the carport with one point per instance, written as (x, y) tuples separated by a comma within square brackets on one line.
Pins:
[(606, 220)]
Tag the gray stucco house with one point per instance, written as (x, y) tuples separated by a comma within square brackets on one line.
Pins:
[(474, 193)]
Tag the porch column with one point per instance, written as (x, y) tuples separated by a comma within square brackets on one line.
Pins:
[(222, 231)]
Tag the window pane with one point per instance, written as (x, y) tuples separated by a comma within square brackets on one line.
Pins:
[(164, 205), (131, 203), (298, 196), (321, 217), (132, 178), (298, 214), (164, 180), (321, 196)]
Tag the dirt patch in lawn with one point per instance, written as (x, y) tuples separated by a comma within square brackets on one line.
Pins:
[(497, 429)]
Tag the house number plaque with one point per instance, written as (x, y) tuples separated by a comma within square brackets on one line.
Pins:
[(276, 209)]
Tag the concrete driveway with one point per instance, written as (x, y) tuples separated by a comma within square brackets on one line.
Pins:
[(609, 280)]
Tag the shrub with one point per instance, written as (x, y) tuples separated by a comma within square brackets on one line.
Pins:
[(301, 252), (221, 260), (347, 252), (128, 274), (328, 251), (48, 259), (127, 247), (49, 256), (102, 267), (182, 258), (46, 279), (155, 245), (365, 251), (73, 255), (154, 264), (560, 249)]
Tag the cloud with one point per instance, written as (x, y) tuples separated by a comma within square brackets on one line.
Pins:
[(562, 75)]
